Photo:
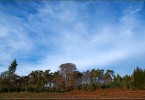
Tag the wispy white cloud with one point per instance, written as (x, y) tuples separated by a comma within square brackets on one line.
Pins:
[(130, 20), (56, 35)]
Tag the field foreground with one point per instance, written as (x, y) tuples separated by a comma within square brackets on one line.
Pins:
[(98, 94)]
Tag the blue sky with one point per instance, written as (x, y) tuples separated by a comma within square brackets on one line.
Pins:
[(91, 34)]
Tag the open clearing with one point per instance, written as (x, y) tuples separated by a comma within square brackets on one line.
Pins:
[(100, 94)]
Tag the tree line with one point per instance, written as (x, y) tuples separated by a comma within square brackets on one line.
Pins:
[(68, 78)]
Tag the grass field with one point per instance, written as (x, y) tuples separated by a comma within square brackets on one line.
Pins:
[(100, 94)]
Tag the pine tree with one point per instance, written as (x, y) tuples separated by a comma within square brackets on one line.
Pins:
[(138, 80), (12, 67), (117, 81)]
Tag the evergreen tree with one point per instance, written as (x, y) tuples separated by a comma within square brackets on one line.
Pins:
[(47, 77), (108, 78), (12, 67), (11, 74), (126, 82), (118, 81), (138, 78), (8, 78)]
